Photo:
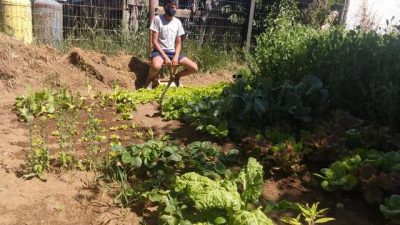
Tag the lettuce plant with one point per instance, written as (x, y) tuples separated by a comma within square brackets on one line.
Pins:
[(391, 208), (341, 174)]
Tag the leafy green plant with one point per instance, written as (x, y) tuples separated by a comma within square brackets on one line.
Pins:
[(341, 174), (125, 102), (46, 102), (210, 201), (391, 208), (310, 214), (375, 184), (155, 164), (375, 172), (277, 149), (251, 178), (388, 162), (180, 100), (245, 105), (176, 103), (35, 104), (38, 160), (91, 135), (379, 174), (277, 136), (66, 122), (356, 66), (66, 160), (287, 156), (204, 157)]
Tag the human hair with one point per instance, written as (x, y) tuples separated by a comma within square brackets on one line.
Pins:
[(169, 2)]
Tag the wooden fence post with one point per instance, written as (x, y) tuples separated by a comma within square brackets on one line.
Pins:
[(344, 12), (250, 24), (152, 13)]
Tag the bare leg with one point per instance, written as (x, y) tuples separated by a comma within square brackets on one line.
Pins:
[(155, 67), (190, 67)]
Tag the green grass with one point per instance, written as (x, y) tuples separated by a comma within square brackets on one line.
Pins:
[(110, 44), (208, 57)]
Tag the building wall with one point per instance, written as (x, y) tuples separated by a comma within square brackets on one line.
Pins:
[(373, 14)]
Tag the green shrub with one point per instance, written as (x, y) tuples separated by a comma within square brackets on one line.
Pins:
[(246, 106), (360, 70)]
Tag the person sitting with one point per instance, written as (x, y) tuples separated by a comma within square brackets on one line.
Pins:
[(166, 38)]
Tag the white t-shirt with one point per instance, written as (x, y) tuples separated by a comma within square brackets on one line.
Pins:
[(167, 31)]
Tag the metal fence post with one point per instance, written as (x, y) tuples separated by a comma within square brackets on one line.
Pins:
[(250, 24)]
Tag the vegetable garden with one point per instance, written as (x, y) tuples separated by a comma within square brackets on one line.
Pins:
[(308, 106)]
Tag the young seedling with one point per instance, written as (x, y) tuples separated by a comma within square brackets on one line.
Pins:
[(38, 157), (66, 129), (91, 134), (311, 215)]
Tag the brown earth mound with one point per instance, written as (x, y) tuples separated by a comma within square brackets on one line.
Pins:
[(28, 67)]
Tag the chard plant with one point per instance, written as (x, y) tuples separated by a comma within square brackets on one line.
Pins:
[(201, 200)]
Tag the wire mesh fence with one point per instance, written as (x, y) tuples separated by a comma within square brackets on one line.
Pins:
[(110, 24), (104, 17), (219, 22)]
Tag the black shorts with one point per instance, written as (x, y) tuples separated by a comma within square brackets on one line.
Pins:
[(170, 55)]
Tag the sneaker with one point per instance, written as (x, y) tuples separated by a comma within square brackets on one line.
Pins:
[(149, 86), (153, 84)]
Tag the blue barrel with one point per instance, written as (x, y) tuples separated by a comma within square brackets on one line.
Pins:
[(47, 16)]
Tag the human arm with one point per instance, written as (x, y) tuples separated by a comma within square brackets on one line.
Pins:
[(178, 47)]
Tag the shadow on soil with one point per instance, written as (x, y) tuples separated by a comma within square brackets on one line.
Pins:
[(140, 69)]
